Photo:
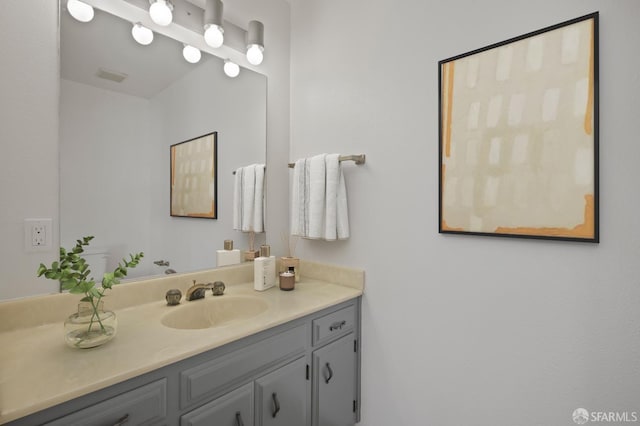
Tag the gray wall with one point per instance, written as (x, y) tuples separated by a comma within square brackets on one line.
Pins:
[(105, 172), (29, 137), (468, 330)]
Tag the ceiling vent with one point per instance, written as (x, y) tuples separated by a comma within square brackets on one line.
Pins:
[(116, 76)]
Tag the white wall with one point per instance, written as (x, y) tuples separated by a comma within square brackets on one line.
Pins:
[(468, 330), (275, 15), (29, 138), (105, 171)]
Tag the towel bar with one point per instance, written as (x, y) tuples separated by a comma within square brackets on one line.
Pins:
[(234, 172), (359, 159)]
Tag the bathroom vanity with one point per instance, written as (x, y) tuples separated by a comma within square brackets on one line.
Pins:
[(295, 363)]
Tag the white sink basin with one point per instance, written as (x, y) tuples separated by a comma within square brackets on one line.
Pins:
[(213, 311)]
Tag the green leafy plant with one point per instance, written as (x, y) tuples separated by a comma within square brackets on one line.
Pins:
[(74, 275)]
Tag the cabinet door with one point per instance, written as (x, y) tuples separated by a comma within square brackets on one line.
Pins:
[(334, 378), (232, 409), (282, 397)]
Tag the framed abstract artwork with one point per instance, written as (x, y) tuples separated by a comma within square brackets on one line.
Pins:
[(194, 191), (518, 136)]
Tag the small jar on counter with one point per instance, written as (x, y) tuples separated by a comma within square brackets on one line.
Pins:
[(287, 281)]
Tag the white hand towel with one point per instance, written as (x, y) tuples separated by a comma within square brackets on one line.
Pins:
[(258, 204), (333, 177), (298, 198), (317, 196), (248, 196), (336, 214), (237, 200), (342, 209), (319, 207)]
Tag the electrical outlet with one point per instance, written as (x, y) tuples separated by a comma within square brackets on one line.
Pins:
[(37, 234)]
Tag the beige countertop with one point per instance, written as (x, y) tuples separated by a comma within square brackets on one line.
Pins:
[(38, 370)]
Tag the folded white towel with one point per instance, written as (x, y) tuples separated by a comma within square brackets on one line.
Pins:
[(337, 212), (332, 163), (237, 199), (317, 196), (342, 208), (258, 199), (298, 198), (248, 196), (248, 199), (319, 199)]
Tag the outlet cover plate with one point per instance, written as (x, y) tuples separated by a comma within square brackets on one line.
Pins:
[(38, 234)]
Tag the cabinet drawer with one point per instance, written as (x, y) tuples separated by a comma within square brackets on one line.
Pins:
[(333, 325), (237, 367), (142, 406), (234, 408)]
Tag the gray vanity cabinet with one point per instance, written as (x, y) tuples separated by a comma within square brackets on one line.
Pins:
[(334, 378), (232, 409), (282, 396), (301, 373)]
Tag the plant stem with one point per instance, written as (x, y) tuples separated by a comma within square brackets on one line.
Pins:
[(95, 313)]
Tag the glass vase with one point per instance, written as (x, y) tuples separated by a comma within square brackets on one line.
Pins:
[(90, 327)]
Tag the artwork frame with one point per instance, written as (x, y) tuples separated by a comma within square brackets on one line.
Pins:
[(194, 177), (519, 136)]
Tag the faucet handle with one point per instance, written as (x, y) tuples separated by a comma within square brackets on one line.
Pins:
[(217, 288), (173, 297)]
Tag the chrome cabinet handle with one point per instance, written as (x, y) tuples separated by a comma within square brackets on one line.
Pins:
[(239, 421), (276, 405), (122, 420), (326, 379), (337, 325)]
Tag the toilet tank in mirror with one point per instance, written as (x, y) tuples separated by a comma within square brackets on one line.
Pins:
[(115, 138)]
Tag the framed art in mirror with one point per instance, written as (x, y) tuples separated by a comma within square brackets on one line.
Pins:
[(194, 177), (518, 127)]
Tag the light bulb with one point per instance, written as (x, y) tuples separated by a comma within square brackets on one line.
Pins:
[(80, 10), (231, 69), (142, 34), (214, 35), (191, 54), (160, 12), (254, 54)]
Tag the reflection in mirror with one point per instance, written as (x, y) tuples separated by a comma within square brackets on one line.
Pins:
[(115, 139)]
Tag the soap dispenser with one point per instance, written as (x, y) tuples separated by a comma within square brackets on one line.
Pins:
[(228, 256), (264, 269)]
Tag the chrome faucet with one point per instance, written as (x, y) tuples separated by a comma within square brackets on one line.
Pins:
[(198, 291), (161, 262)]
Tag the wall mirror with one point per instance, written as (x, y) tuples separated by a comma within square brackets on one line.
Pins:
[(115, 139)]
